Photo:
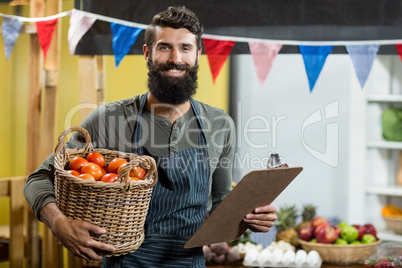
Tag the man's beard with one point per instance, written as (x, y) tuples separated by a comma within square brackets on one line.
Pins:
[(169, 89)]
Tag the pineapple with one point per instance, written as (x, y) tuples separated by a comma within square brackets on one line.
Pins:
[(308, 214), (285, 223)]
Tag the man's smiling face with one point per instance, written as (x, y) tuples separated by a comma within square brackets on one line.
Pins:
[(173, 65), (174, 47)]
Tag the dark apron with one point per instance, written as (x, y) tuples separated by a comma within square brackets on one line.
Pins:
[(177, 208)]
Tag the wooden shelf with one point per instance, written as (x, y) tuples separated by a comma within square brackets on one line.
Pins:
[(384, 98), (387, 235), (381, 144), (392, 190)]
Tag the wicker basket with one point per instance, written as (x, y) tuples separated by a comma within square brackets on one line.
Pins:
[(394, 223), (119, 207), (341, 254)]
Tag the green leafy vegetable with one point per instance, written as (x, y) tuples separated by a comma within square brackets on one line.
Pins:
[(392, 124)]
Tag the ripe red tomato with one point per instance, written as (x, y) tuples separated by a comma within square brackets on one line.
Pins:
[(134, 179), (115, 164), (106, 168), (96, 158), (77, 163), (136, 172), (73, 172), (87, 177), (109, 177), (92, 169), (103, 171)]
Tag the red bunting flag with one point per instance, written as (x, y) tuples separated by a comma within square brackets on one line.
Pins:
[(217, 52), (399, 48), (45, 30)]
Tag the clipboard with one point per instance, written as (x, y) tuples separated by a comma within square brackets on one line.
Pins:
[(257, 188)]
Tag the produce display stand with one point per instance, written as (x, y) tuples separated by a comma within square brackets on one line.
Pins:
[(44, 117), (324, 265), (12, 188)]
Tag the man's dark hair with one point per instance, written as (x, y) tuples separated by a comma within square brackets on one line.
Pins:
[(176, 18)]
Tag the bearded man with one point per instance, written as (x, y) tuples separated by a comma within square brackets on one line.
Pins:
[(192, 143)]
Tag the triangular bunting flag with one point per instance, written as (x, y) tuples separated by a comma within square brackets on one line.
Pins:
[(11, 30), (362, 58), (314, 58), (79, 25), (263, 56), (124, 38), (45, 30), (399, 49), (217, 52)]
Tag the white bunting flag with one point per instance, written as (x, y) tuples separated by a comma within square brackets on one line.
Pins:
[(79, 25)]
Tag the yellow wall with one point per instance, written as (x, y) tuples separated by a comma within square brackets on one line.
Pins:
[(127, 80)]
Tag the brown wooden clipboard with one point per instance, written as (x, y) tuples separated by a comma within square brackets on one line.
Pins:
[(257, 188)]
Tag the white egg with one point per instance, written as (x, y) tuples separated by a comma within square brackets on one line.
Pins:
[(281, 243), (313, 258), (264, 257), (301, 257), (276, 256), (288, 257), (251, 256)]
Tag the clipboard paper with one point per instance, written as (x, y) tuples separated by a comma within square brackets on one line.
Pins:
[(257, 188)]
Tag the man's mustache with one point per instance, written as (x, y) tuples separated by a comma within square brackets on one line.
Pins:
[(169, 66)]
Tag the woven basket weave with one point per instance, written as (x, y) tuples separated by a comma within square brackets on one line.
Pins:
[(341, 254), (394, 223), (119, 207)]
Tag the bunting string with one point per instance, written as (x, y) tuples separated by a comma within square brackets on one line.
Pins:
[(303, 43), (112, 20), (25, 19), (217, 47)]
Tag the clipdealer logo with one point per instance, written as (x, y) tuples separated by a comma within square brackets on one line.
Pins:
[(331, 154)]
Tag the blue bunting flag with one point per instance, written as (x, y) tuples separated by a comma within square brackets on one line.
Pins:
[(314, 58), (11, 30), (362, 57), (124, 38)]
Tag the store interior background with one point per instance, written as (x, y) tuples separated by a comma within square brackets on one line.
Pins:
[(334, 180)]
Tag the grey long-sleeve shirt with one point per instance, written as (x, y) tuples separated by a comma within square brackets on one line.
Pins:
[(112, 126)]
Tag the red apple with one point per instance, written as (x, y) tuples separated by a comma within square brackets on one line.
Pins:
[(370, 229), (220, 248), (327, 235), (306, 233), (319, 227), (361, 231), (318, 220), (218, 259), (338, 230)]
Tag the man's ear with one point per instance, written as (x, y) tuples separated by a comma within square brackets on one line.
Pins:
[(146, 52), (199, 55)]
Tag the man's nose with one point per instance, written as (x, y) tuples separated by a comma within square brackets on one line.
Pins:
[(175, 56)]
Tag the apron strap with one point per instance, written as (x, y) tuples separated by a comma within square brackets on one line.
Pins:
[(138, 126)]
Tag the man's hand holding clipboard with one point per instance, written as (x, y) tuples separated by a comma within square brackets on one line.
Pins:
[(257, 188)]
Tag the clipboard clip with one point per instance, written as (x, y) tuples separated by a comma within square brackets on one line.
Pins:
[(274, 161)]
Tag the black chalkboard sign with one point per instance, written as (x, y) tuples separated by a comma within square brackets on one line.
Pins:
[(308, 20)]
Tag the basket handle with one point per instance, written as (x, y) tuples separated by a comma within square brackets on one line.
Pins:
[(60, 147), (152, 163), (123, 175)]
